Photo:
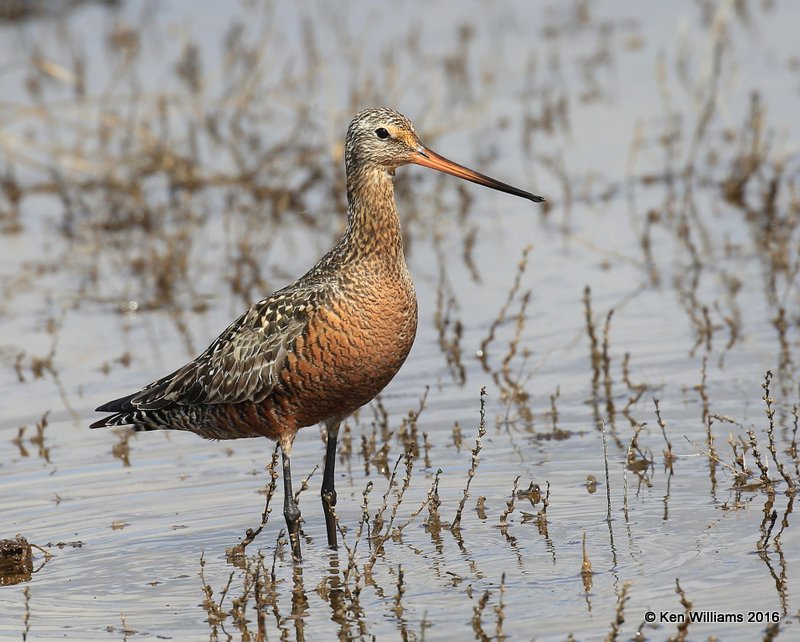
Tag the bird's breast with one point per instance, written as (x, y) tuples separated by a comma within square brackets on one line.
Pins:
[(352, 347)]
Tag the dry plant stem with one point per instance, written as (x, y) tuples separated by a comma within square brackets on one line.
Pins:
[(514, 343), (260, 598), (739, 469), (619, 617), (554, 409), (701, 389), (352, 562), (771, 632), (430, 499), (785, 519), (605, 463), (596, 355), (781, 582), (399, 495), (586, 567), (793, 446), (469, 245), (239, 604), (272, 596), (669, 457), (238, 550), (378, 519), (483, 351), (637, 390), (39, 439), (434, 501), (304, 483), (477, 611), (47, 554), (545, 500), (770, 411), (768, 522), (608, 491), (409, 432), (607, 382), (762, 466), (713, 459), (509, 505), (683, 627), (352, 566), (628, 458), (427, 449), (380, 538), (216, 614), (474, 464), (500, 611), (398, 597), (451, 348), (26, 619)]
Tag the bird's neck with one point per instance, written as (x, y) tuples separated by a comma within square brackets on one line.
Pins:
[(373, 227)]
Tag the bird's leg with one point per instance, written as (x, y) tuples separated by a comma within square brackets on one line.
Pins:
[(291, 511), (328, 491)]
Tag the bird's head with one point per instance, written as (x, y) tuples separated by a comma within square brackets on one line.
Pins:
[(384, 139)]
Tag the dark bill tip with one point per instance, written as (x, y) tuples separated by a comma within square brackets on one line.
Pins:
[(428, 158)]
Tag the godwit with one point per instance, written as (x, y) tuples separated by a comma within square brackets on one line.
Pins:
[(322, 347)]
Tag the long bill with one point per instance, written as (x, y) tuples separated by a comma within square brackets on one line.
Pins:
[(428, 158)]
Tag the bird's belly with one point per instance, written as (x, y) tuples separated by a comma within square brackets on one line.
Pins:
[(349, 353)]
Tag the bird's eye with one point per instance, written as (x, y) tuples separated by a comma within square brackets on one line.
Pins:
[(381, 133)]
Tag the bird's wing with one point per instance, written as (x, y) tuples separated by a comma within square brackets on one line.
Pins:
[(243, 363)]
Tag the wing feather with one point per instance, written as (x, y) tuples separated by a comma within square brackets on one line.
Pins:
[(244, 363)]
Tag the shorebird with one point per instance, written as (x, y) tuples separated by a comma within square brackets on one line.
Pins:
[(322, 347)]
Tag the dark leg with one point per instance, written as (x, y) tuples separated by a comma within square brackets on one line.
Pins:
[(328, 491), (290, 509)]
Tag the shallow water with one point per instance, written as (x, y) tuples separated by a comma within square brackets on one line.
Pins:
[(120, 300)]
